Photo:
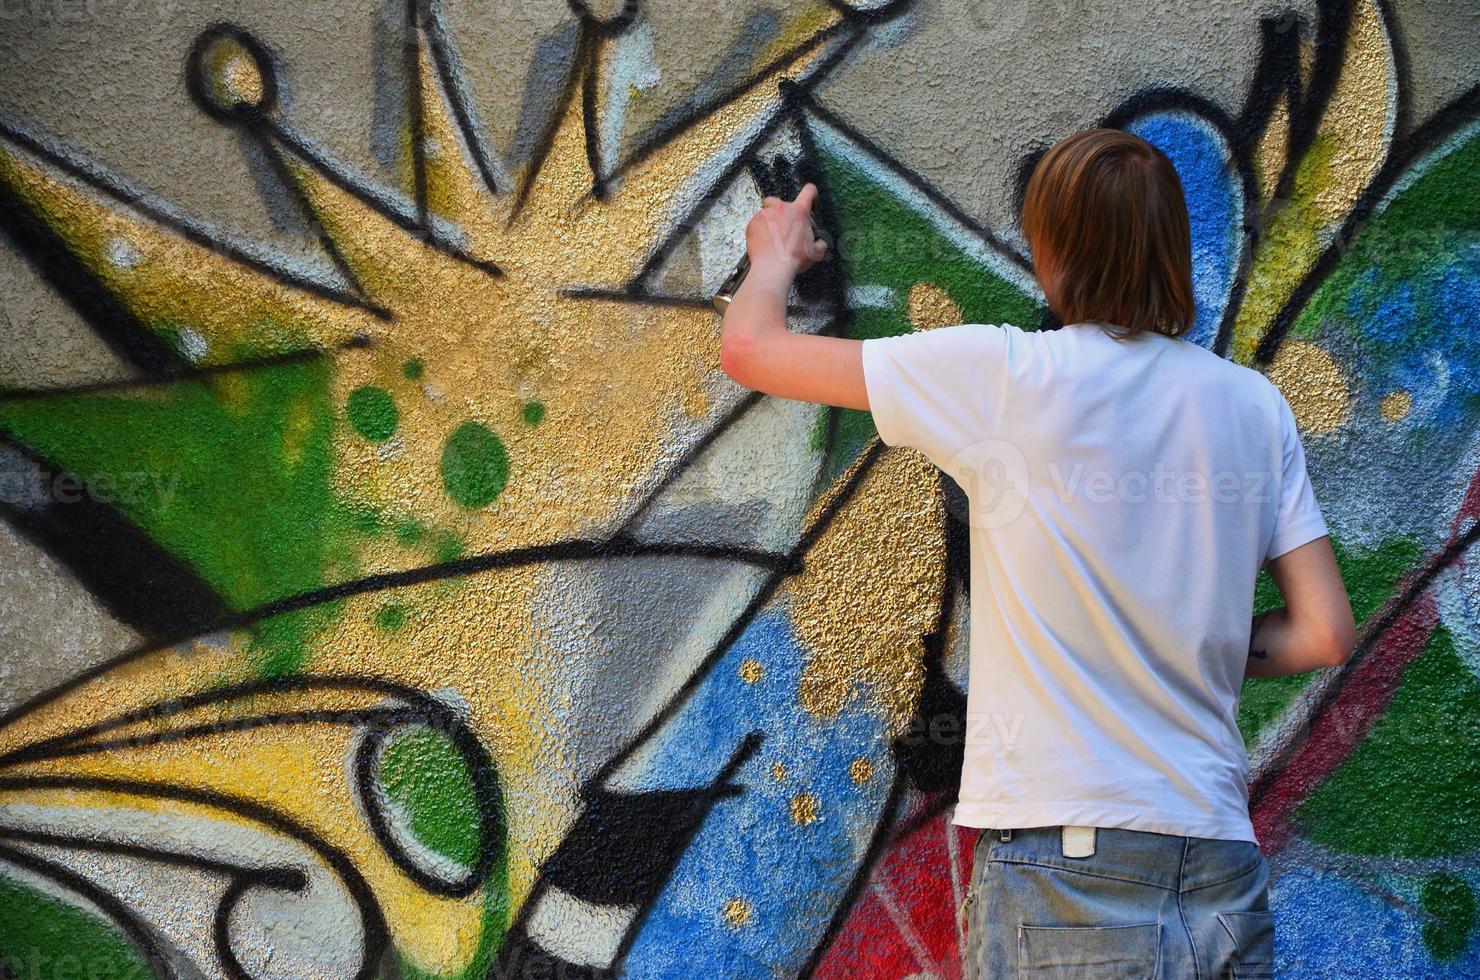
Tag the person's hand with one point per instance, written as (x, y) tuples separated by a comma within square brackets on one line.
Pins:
[(779, 238)]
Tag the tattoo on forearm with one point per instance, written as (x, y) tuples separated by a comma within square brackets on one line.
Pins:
[(1257, 649)]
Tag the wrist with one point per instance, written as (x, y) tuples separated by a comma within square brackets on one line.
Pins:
[(772, 275)]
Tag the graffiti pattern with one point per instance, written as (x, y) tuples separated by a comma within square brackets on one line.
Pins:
[(488, 630)]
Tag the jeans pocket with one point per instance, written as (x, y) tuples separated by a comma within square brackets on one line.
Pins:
[(1119, 952), (1253, 945)]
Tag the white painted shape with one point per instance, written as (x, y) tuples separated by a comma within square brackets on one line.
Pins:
[(578, 931)]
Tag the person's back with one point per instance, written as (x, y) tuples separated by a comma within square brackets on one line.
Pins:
[(1124, 488), (1123, 494)]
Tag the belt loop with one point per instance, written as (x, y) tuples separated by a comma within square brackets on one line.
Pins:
[(1005, 835)]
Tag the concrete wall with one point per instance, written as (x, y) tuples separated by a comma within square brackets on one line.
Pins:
[(393, 584)]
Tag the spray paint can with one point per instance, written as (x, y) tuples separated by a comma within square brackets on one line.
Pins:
[(731, 285)]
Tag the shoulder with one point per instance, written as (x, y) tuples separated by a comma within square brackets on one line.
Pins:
[(1250, 387), (961, 340)]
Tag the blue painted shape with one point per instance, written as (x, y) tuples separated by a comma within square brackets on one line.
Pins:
[(793, 877), (1330, 925)]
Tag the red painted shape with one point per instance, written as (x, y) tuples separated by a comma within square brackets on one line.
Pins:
[(910, 884), (1361, 698), (1337, 730)]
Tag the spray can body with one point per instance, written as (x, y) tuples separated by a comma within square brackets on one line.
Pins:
[(731, 286)]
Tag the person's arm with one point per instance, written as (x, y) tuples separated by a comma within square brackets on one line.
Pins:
[(756, 348), (1314, 628)]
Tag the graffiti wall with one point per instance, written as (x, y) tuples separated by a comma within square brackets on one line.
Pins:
[(393, 584)]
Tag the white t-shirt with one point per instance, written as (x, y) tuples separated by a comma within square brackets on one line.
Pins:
[(1123, 497)]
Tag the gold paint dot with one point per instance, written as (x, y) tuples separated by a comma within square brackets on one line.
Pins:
[(231, 74), (931, 307), (739, 912), (751, 670), (861, 770), (241, 79), (1396, 405), (778, 771), (805, 809), (1313, 385)]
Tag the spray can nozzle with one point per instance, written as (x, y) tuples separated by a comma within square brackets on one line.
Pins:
[(731, 285)]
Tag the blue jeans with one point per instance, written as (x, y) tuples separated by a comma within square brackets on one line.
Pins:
[(1143, 905)]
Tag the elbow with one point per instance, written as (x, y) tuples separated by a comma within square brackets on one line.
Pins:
[(1336, 647), (736, 357)]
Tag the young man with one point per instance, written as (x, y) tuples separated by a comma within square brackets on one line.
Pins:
[(1125, 487)]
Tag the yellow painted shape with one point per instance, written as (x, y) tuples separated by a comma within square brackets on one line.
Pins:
[(870, 590), (1314, 385), (302, 772), (165, 279), (806, 809), (739, 912), (1350, 146), (931, 307), (1396, 405), (456, 190)]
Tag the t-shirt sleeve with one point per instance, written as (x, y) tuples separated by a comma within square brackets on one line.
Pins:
[(1298, 517), (935, 390)]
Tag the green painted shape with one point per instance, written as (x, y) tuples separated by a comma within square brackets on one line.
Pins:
[(391, 617), (533, 412), (373, 413), (885, 243), (1433, 215), (1449, 902), (449, 548), (1370, 578), (45, 938), (475, 466), (413, 369), (242, 463), (426, 779), (1411, 786)]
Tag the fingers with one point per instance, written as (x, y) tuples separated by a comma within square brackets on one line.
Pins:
[(817, 250), (807, 195)]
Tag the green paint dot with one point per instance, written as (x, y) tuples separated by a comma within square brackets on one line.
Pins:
[(409, 531), (372, 412), (363, 519), (412, 368), (391, 617), (449, 549), (474, 465), (1450, 905), (534, 413)]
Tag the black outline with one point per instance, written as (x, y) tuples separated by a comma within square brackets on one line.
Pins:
[(199, 85), (377, 935), (113, 910), (420, 710), (139, 582), (202, 372), (86, 282)]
